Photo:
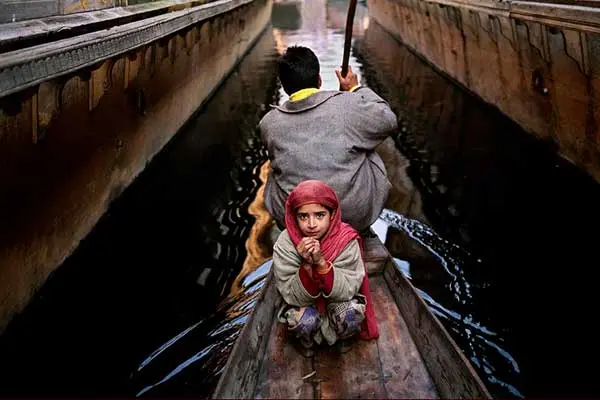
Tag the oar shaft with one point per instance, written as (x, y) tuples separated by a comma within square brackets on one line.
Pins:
[(348, 39)]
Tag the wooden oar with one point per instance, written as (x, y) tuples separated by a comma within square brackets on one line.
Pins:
[(348, 40)]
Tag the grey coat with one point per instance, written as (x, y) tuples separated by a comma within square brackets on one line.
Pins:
[(330, 136)]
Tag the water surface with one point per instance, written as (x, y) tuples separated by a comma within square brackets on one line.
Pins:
[(493, 224), (158, 262)]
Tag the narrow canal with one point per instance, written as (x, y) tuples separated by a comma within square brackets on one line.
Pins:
[(493, 224)]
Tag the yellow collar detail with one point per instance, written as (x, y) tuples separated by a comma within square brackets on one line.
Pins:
[(302, 94)]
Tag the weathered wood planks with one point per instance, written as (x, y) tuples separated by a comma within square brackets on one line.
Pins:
[(28, 67), (403, 372), (390, 367), (414, 356), (283, 369), (244, 364), (17, 10), (30, 32), (452, 373), (352, 375)]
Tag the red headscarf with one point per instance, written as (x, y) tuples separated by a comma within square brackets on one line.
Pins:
[(335, 239)]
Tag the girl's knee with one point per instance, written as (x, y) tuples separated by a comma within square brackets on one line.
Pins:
[(347, 318), (303, 321)]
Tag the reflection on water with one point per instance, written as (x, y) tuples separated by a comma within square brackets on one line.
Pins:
[(158, 262), (477, 338), (171, 364), (325, 39), (191, 362), (510, 220), (337, 15)]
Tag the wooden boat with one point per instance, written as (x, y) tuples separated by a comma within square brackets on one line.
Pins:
[(414, 357)]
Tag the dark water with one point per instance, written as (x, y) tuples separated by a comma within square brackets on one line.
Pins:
[(508, 270), (158, 262), (494, 225)]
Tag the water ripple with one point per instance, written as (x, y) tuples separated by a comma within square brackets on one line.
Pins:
[(479, 342)]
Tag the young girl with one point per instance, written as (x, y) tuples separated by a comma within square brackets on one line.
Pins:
[(319, 271)]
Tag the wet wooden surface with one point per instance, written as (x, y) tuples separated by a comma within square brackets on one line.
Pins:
[(390, 367), (283, 369)]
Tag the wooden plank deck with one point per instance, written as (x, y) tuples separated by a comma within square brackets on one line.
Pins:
[(403, 369), (283, 369), (390, 367), (397, 365), (355, 374)]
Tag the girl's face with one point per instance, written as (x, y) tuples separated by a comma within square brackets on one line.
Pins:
[(313, 220)]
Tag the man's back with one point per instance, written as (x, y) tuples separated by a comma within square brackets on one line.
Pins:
[(330, 136)]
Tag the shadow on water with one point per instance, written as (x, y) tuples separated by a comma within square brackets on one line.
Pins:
[(509, 259), (159, 261), (191, 362), (453, 294)]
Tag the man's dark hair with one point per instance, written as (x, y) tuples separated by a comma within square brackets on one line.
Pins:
[(298, 69)]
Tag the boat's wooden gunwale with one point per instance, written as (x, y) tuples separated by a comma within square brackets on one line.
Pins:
[(239, 377), (449, 369), (453, 374)]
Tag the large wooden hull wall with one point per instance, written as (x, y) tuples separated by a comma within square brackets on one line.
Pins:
[(538, 63), (71, 143)]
